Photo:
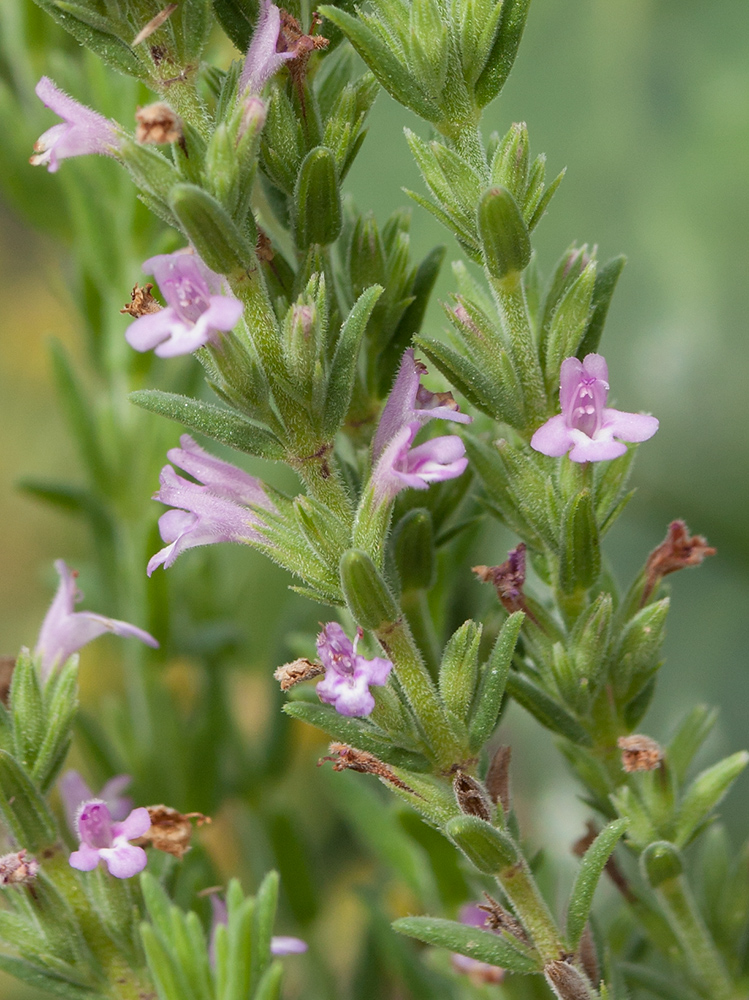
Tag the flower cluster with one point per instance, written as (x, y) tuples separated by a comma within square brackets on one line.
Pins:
[(220, 510), (409, 406)]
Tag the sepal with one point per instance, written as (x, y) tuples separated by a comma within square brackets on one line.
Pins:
[(489, 850)]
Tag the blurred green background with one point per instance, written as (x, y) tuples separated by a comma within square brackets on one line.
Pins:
[(647, 104)]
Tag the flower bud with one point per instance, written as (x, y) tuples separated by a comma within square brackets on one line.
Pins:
[(661, 861), (367, 595), (489, 849), (505, 241), (415, 555), (317, 201)]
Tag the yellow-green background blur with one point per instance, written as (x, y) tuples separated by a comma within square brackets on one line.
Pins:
[(647, 104)]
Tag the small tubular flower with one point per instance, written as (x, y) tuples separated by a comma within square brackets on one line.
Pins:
[(586, 427), (104, 840), (82, 131), (348, 674), (409, 402), (217, 511), (401, 466), (74, 792), (199, 306), (263, 59), (409, 406), (64, 631)]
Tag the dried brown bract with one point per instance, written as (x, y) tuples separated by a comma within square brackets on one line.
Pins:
[(471, 796), (498, 778), (154, 24), (263, 247), (677, 551), (18, 868), (141, 302), (291, 38), (294, 673), (589, 956), (158, 124), (346, 758), (508, 579), (639, 753), (170, 830), (499, 919), (7, 666)]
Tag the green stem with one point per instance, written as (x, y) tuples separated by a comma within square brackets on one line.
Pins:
[(416, 608), (397, 641), (699, 951), (181, 95), (531, 909), (513, 310), (468, 143), (324, 483)]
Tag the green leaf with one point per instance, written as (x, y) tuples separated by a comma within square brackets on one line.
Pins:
[(44, 979), (27, 710), (471, 941), (269, 987), (23, 809), (494, 681), (343, 367), (224, 425), (263, 918), (568, 324), (161, 966), (704, 794), (503, 51), (544, 708), (237, 18), (388, 69), (590, 871), (355, 733), (61, 707), (688, 738), (603, 293)]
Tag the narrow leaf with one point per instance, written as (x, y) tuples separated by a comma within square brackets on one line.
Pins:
[(471, 941), (589, 873)]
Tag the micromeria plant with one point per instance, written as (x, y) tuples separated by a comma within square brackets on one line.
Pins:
[(307, 320)]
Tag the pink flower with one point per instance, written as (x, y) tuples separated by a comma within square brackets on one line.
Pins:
[(198, 307), (213, 512), (64, 631), (104, 840), (262, 59), (401, 466), (74, 792), (81, 132), (586, 427), (348, 674)]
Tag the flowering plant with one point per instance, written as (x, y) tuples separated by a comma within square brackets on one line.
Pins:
[(310, 324)]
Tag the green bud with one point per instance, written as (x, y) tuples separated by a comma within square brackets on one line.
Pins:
[(282, 144), (211, 230), (415, 557), (636, 657), (580, 556), (222, 167), (509, 167), (459, 669), (366, 256), (661, 861), (317, 202), (367, 595), (490, 850), (505, 241), (591, 639), (301, 342)]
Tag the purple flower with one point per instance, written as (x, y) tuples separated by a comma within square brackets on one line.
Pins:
[(401, 466), (585, 424), (478, 972), (64, 631), (107, 841), (74, 792), (278, 945), (198, 306), (82, 130), (409, 402), (262, 59), (213, 512), (348, 674)]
